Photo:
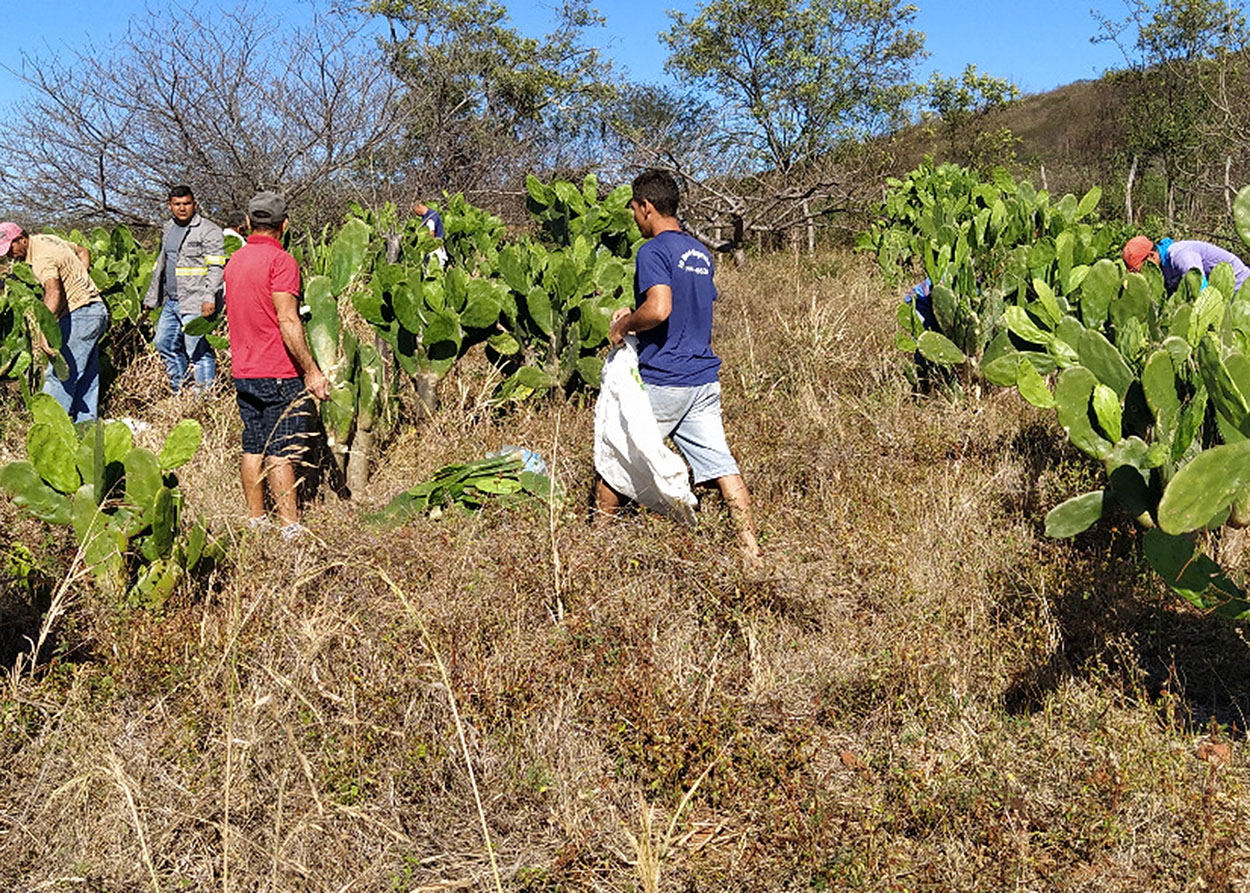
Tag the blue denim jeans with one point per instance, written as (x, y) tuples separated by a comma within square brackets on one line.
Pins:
[(184, 355), (81, 332), (691, 416)]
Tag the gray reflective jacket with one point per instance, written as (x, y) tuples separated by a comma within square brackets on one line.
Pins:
[(201, 259)]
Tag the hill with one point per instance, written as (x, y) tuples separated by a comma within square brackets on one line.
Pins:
[(1075, 137), (1065, 129)]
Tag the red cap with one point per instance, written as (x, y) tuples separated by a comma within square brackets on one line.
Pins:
[(1136, 250)]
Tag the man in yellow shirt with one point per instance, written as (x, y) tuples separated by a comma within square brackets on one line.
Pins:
[(61, 268)]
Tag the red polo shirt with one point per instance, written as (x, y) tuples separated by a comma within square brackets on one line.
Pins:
[(253, 274)]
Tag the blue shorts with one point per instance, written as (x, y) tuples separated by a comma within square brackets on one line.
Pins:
[(692, 418), (277, 414)]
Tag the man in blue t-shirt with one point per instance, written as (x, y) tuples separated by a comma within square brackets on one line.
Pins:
[(672, 318), (433, 221)]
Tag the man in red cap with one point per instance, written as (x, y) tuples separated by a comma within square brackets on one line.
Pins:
[(69, 292), (274, 371), (1176, 259)]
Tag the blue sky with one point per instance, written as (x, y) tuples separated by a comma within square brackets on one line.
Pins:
[(1039, 46)]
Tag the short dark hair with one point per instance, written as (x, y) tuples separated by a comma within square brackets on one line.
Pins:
[(237, 220), (267, 229), (659, 188), (182, 190)]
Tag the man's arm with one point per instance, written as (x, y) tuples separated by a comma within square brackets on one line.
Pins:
[(287, 307), (54, 296), (215, 259), (84, 255), (440, 251), (153, 295), (655, 308), (54, 300)]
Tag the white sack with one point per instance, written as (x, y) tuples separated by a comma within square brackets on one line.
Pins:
[(630, 454)]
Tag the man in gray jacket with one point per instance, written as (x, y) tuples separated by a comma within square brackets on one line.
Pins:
[(186, 284)]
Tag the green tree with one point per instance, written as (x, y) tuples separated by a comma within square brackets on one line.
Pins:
[(484, 102), (654, 125), (1171, 49), (964, 105), (801, 76), (796, 85), (1227, 90)]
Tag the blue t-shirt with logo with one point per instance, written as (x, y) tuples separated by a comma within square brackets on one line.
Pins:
[(433, 216), (677, 352)]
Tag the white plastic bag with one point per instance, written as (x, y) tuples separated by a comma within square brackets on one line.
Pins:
[(630, 454)]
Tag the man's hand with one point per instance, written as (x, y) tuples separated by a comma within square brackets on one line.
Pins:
[(616, 333), (316, 382), (45, 346), (208, 308)]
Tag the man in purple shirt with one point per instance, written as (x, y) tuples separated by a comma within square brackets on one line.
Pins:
[(1176, 259)]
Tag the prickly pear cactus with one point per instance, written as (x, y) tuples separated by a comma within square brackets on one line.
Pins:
[(1154, 386), (121, 501)]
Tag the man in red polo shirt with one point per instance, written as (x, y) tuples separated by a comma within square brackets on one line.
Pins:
[(274, 372)]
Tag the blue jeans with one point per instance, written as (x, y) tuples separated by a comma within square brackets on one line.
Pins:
[(691, 416), (183, 354), (81, 332)]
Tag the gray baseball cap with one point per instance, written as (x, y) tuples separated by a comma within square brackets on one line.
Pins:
[(267, 208)]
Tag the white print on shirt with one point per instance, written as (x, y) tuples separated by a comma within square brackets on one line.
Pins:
[(696, 255)]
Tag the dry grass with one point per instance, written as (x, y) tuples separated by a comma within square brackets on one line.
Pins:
[(921, 694)]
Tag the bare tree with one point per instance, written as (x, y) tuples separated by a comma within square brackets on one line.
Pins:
[(228, 101), (728, 199)]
